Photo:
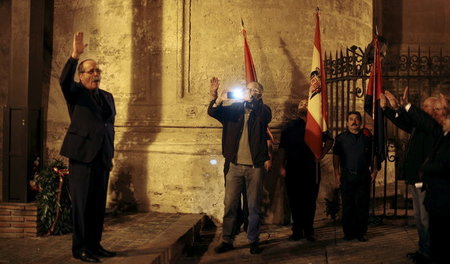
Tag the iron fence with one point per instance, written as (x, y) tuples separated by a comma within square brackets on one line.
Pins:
[(347, 73)]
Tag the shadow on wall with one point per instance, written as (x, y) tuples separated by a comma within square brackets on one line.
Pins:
[(123, 192), (129, 184), (276, 206)]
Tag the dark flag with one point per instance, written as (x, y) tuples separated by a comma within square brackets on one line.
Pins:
[(372, 104)]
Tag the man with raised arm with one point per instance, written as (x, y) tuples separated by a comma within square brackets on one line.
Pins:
[(89, 145), (244, 145)]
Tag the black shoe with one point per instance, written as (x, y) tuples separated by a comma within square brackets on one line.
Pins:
[(295, 237), (86, 256), (348, 238), (412, 255), (254, 248), (311, 238), (419, 258), (103, 253), (362, 239), (223, 247)]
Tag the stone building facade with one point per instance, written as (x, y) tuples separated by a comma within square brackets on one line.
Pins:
[(157, 58)]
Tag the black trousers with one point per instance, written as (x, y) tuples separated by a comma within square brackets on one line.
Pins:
[(88, 184), (302, 187), (439, 235), (355, 192)]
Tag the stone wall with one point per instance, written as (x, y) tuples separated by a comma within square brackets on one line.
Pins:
[(157, 58), (415, 23)]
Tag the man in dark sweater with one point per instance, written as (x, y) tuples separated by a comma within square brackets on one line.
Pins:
[(244, 144), (352, 162)]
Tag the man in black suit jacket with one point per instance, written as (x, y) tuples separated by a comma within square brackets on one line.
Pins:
[(435, 174), (89, 145), (420, 146)]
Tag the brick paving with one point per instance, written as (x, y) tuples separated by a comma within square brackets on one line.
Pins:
[(156, 237), (139, 238), (387, 244)]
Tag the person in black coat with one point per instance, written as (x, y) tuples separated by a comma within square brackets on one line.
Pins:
[(435, 173), (89, 145), (302, 174), (420, 145)]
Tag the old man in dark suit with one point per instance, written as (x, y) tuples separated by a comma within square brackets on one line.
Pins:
[(89, 145)]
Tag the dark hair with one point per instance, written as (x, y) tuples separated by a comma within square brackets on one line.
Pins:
[(354, 113), (80, 68)]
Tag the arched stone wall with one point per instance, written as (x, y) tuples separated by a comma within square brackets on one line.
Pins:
[(157, 58)]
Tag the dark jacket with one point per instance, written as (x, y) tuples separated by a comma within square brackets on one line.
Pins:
[(90, 130), (436, 168), (419, 146), (232, 119)]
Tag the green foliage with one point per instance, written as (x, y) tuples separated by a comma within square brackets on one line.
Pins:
[(48, 182)]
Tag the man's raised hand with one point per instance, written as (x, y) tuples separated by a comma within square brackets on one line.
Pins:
[(404, 99), (383, 102), (392, 100), (214, 87), (78, 45)]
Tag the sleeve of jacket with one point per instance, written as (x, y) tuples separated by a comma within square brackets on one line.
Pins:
[(399, 119), (267, 113), (216, 111), (424, 121), (68, 86), (439, 165)]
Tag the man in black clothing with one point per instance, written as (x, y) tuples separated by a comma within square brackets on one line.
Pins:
[(352, 162), (419, 147), (244, 144), (302, 174), (89, 145), (435, 174)]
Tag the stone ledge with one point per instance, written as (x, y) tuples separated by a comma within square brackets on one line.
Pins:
[(167, 247)]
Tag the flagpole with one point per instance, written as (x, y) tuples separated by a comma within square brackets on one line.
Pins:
[(374, 95)]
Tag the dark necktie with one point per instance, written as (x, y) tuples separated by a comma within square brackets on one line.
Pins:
[(97, 98)]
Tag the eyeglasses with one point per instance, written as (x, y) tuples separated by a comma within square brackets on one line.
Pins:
[(98, 71)]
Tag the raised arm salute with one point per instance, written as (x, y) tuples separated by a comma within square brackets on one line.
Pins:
[(89, 145)]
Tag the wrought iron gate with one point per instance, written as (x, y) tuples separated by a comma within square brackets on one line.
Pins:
[(347, 74)]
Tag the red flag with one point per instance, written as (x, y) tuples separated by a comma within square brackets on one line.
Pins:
[(372, 104), (250, 72), (317, 116)]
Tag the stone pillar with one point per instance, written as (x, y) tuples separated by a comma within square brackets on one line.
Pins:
[(22, 114)]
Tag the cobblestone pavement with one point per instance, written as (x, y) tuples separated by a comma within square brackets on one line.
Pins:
[(387, 245), (125, 234), (138, 237)]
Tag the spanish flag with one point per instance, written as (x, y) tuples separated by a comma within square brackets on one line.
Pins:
[(317, 116), (250, 72)]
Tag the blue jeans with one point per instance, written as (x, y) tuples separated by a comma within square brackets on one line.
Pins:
[(421, 219), (238, 178)]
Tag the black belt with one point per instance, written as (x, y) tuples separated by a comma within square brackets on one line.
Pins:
[(356, 172), (245, 165)]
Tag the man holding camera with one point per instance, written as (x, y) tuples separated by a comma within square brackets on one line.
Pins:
[(244, 144)]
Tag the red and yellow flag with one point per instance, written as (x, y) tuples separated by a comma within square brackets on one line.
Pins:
[(250, 72), (317, 116)]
